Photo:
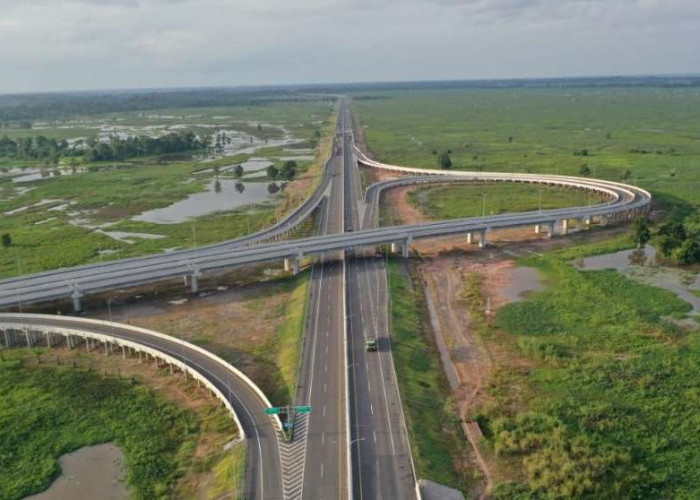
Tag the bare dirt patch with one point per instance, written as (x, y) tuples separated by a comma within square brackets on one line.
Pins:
[(474, 359)]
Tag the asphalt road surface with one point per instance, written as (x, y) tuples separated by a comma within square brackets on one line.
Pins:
[(380, 452)]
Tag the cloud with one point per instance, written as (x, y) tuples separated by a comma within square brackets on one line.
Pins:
[(78, 44)]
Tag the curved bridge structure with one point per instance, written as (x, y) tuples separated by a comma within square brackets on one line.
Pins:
[(243, 399), (624, 202)]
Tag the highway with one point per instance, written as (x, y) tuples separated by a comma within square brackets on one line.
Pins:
[(264, 475), (322, 376), (382, 465), (354, 443)]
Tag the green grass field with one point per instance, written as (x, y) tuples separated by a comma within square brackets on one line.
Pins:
[(47, 411), (433, 427), (473, 200), (46, 239), (611, 403), (652, 132)]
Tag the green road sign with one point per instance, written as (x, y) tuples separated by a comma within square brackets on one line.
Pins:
[(272, 411), (304, 409)]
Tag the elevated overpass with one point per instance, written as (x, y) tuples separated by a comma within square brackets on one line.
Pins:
[(623, 203)]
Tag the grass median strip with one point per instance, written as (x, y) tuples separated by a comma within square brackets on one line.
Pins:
[(438, 448)]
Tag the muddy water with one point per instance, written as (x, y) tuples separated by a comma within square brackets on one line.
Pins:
[(209, 202), (90, 473), (642, 265), (521, 280)]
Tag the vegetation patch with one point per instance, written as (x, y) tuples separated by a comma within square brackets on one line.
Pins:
[(439, 449), (47, 411), (608, 406), (473, 200)]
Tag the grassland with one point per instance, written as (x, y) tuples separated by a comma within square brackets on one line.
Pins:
[(652, 132), (472, 200), (47, 233), (257, 325), (47, 410), (438, 450), (607, 410)]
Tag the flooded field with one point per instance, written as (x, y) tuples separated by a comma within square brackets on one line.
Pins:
[(229, 195), (642, 265), (90, 473), (521, 281)]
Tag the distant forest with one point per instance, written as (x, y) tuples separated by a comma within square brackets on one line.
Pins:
[(19, 108)]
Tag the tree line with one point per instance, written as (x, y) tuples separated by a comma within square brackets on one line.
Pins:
[(91, 149)]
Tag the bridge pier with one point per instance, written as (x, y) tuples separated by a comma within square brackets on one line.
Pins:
[(538, 228), (394, 248), (564, 226), (77, 298), (194, 285), (550, 229), (470, 238), (482, 238), (288, 263)]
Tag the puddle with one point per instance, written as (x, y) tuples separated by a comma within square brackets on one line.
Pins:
[(228, 197), (642, 265), (35, 205), (90, 473), (521, 281)]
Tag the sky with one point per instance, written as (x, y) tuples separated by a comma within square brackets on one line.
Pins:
[(56, 45)]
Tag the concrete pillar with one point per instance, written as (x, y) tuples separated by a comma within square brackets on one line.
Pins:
[(77, 297), (29, 339), (87, 344), (288, 263), (296, 266), (470, 238), (48, 339), (7, 338), (195, 281), (538, 228), (394, 248), (123, 352), (482, 238), (106, 352), (564, 226), (404, 250)]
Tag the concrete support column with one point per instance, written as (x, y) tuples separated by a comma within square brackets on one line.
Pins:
[(7, 338), (123, 352), (482, 238), (564, 226), (394, 248), (28, 337), (140, 357), (77, 298), (106, 351), (296, 266), (404, 250), (194, 286), (470, 238), (288, 263), (48, 339)]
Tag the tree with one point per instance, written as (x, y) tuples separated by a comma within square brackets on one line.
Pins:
[(444, 161), (584, 170), (240, 187), (641, 231), (289, 169), (687, 253), (272, 172), (6, 240), (238, 171), (272, 188)]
